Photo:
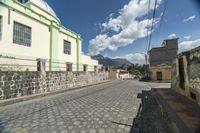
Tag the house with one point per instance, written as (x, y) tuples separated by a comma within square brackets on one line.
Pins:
[(119, 74), (160, 59), (186, 74), (31, 35)]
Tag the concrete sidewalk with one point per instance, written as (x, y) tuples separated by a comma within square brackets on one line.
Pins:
[(183, 114)]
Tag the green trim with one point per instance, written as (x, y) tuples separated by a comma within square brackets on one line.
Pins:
[(50, 50), (18, 7), (67, 30), (18, 55), (78, 51), (58, 21), (77, 56), (53, 48), (27, 15), (52, 24)]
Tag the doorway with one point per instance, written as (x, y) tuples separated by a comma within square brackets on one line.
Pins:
[(159, 75), (181, 74)]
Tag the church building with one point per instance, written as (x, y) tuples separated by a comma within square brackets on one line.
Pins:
[(31, 33)]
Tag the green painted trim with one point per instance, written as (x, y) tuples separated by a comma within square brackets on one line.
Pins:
[(68, 30), (58, 21), (54, 36), (77, 56), (18, 55), (13, 9), (75, 36), (28, 11), (78, 49), (50, 50)]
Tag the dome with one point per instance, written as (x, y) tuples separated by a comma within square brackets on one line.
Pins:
[(44, 5)]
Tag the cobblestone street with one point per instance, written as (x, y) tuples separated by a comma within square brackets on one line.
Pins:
[(111, 107)]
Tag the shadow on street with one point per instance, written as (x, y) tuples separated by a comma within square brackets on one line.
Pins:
[(148, 118)]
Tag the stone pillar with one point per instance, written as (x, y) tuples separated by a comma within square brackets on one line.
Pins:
[(95, 69), (85, 68), (177, 75), (186, 75), (41, 65)]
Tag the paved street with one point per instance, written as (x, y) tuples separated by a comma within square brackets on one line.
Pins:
[(111, 107)]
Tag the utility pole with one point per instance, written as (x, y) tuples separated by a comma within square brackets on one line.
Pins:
[(145, 58)]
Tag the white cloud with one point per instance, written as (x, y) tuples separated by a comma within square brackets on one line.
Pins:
[(172, 36), (188, 45), (187, 37), (126, 27), (137, 58), (191, 18)]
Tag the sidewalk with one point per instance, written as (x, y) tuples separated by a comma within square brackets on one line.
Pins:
[(184, 115), (39, 95)]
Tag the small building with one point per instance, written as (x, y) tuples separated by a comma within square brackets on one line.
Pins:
[(160, 60), (186, 74), (119, 74), (31, 33), (161, 72)]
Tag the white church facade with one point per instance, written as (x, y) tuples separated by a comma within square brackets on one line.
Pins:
[(30, 32)]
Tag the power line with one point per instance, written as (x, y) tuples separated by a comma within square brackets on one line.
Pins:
[(162, 17), (152, 26), (148, 16)]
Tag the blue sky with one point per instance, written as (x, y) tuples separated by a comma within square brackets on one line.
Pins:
[(110, 27)]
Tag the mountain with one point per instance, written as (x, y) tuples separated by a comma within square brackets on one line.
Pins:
[(118, 62)]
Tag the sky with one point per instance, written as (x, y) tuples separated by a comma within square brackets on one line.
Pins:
[(118, 28)]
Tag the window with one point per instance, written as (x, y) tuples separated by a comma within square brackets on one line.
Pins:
[(67, 47), (193, 96), (69, 67), (22, 34), (159, 75), (1, 23), (85, 68)]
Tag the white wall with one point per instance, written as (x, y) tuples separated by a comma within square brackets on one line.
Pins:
[(88, 61), (40, 43), (64, 57), (40, 39)]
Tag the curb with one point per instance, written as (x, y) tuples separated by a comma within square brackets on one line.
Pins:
[(172, 121), (40, 95), (170, 125)]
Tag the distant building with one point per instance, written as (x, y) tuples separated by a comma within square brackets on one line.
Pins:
[(160, 59), (31, 33), (186, 74), (119, 74)]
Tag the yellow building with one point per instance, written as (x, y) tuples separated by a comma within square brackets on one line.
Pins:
[(161, 73), (160, 59)]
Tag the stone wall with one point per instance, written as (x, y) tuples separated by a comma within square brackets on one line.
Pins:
[(174, 73), (194, 73), (16, 84), (191, 74)]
